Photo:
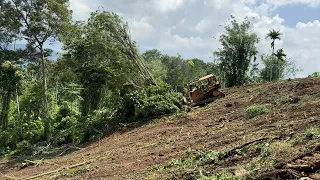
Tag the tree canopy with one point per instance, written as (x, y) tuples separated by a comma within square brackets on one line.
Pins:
[(238, 49)]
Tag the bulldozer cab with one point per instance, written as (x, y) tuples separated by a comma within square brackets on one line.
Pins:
[(208, 81), (203, 85)]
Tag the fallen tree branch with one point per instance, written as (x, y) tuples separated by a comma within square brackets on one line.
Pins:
[(44, 174), (232, 151), (32, 163), (57, 170), (250, 142), (282, 173), (300, 156), (309, 168), (299, 167), (67, 149), (10, 177), (77, 165)]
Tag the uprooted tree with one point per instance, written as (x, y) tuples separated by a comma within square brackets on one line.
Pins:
[(105, 59)]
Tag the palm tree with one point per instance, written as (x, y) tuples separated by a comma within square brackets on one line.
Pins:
[(281, 58), (280, 55), (273, 35)]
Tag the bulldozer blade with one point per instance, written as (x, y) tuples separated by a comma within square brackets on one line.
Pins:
[(203, 102), (217, 95)]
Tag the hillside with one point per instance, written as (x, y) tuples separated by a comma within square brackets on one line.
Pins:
[(275, 138)]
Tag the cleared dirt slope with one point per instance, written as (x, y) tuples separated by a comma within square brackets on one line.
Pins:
[(220, 126)]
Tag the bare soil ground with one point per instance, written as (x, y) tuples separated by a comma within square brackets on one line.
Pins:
[(219, 126)]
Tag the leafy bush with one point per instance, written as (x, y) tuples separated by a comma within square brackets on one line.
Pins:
[(8, 141), (218, 176), (149, 102), (193, 159), (64, 126), (23, 148), (208, 157), (257, 110), (264, 162), (33, 131), (95, 125), (157, 104), (312, 133), (315, 74), (66, 134)]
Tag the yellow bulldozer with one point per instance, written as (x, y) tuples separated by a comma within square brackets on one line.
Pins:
[(203, 91)]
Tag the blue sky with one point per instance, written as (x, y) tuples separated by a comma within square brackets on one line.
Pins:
[(187, 26), (292, 14)]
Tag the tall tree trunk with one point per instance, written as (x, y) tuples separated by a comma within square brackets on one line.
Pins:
[(85, 103), (2, 110), (17, 101), (272, 60), (45, 96), (5, 109), (18, 109)]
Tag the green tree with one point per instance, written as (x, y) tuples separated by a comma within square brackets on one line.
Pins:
[(274, 35), (158, 70), (104, 58), (174, 66), (154, 63), (153, 54), (39, 21), (238, 49), (277, 67), (315, 74), (10, 77), (117, 32), (254, 72), (197, 69), (8, 29), (273, 69), (281, 56)]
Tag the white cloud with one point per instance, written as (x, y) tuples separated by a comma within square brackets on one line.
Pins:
[(217, 4), (203, 25), (141, 29), (311, 3), (182, 21), (301, 25), (188, 42), (168, 5), (81, 10), (303, 45), (265, 24)]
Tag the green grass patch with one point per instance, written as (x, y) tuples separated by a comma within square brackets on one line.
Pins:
[(69, 174), (255, 89), (192, 159), (265, 161), (311, 134), (218, 176), (177, 115), (257, 110)]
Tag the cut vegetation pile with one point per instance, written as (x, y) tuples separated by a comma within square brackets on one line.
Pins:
[(259, 131)]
